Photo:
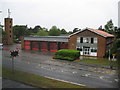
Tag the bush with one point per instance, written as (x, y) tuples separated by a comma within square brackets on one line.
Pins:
[(66, 54)]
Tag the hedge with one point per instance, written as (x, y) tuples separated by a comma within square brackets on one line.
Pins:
[(67, 54)]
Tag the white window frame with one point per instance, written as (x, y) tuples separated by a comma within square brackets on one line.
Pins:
[(84, 40), (95, 40), (78, 39)]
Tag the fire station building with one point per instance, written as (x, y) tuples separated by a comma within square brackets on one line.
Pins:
[(90, 42)]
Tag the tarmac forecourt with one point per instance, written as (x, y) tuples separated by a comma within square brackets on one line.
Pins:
[(38, 81)]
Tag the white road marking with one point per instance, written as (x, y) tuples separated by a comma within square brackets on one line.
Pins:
[(116, 80), (65, 81), (87, 75), (52, 68), (101, 77), (74, 72), (42, 67)]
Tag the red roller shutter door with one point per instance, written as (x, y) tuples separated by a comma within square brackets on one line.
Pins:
[(27, 45), (44, 46), (53, 46), (64, 45), (35, 45)]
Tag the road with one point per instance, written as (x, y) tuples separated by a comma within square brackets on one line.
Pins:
[(41, 63), (13, 84)]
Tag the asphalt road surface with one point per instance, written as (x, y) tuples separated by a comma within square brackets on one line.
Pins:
[(41, 63), (6, 83)]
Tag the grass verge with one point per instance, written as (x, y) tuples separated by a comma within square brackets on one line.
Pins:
[(99, 62), (36, 80)]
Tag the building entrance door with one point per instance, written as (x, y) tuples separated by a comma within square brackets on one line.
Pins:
[(86, 51)]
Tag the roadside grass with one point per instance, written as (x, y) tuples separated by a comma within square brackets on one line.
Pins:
[(0, 71), (99, 61), (36, 80)]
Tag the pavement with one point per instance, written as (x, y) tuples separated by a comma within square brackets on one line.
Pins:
[(6, 83), (41, 63)]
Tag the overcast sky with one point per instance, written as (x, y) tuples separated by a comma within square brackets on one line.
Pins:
[(67, 14)]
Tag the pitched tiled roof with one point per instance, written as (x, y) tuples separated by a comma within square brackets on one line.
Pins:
[(99, 32), (103, 33)]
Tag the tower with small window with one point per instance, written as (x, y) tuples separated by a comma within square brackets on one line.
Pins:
[(8, 29)]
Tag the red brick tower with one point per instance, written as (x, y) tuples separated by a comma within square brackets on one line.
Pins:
[(8, 29)]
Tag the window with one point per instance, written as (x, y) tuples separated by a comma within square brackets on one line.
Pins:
[(81, 40), (93, 50), (92, 40), (10, 35), (95, 40), (78, 40), (79, 49), (10, 31), (10, 21), (86, 40)]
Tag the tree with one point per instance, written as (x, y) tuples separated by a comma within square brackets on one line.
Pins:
[(36, 29), (70, 32), (109, 27), (63, 31), (20, 30), (42, 33), (45, 29), (100, 28), (116, 45), (75, 30), (54, 31), (117, 32)]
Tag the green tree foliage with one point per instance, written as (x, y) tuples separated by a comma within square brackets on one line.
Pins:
[(3, 32), (20, 30), (116, 45), (70, 32), (36, 29), (67, 54), (63, 31), (75, 30), (109, 27), (117, 32), (42, 33), (54, 31)]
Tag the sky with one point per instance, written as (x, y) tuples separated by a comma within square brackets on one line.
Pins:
[(67, 14)]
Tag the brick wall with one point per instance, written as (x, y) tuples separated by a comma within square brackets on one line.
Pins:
[(101, 48)]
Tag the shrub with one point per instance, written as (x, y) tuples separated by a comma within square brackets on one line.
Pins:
[(67, 54)]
